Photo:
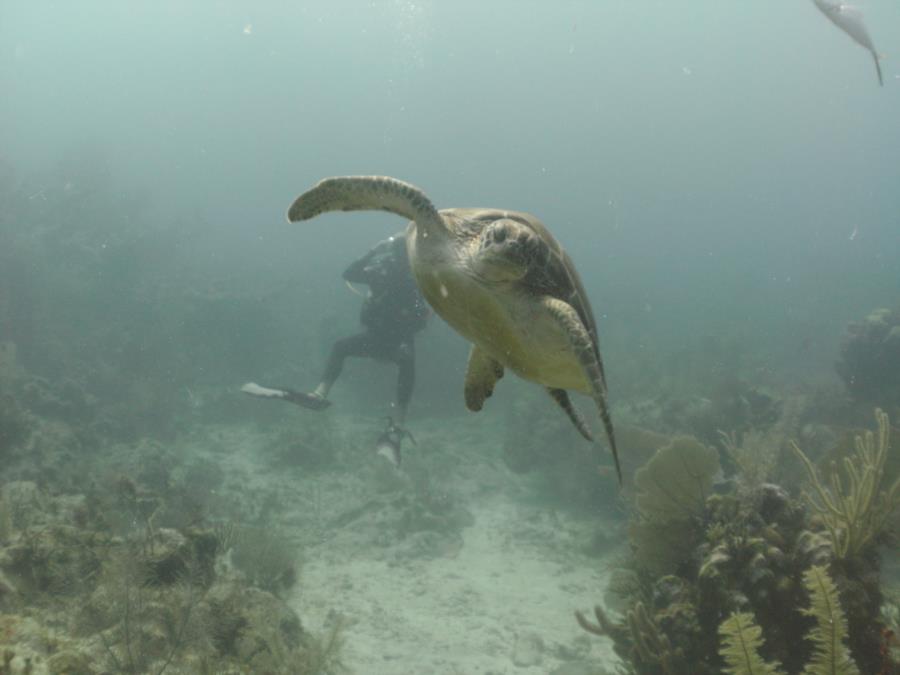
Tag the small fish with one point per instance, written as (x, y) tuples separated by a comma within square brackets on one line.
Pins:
[(850, 20), (853, 234)]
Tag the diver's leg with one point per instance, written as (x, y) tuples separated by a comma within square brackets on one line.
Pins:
[(354, 345), (405, 358), (311, 401), (403, 354)]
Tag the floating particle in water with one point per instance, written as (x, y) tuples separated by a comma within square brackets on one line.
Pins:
[(248, 29)]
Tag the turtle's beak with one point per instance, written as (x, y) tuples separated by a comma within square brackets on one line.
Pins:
[(498, 269)]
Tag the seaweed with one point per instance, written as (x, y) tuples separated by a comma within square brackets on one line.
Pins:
[(742, 641), (140, 627), (830, 654)]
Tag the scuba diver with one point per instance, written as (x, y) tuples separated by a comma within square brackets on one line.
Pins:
[(393, 312)]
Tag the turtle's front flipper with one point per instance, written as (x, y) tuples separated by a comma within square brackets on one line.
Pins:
[(367, 193), (561, 396), (482, 374), (589, 358)]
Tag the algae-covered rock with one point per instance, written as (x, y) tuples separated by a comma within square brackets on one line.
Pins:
[(70, 662), (169, 556), (25, 503), (53, 559), (263, 634), (265, 558)]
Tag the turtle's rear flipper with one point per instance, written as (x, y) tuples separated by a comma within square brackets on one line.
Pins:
[(561, 396), (304, 400), (482, 374)]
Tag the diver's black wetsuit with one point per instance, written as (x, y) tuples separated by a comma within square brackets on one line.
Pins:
[(392, 314)]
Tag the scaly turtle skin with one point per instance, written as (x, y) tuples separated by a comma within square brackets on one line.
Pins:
[(500, 279)]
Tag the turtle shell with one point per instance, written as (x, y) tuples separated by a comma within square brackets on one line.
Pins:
[(553, 274)]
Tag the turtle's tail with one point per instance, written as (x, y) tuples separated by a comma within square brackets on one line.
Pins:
[(366, 193)]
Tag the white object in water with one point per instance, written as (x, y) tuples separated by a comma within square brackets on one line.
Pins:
[(255, 390), (850, 20)]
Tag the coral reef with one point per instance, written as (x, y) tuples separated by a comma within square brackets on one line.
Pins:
[(855, 510), (757, 455), (745, 548), (79, 596)]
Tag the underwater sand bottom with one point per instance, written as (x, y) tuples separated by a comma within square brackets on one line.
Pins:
[(457, 615), (504, 592)]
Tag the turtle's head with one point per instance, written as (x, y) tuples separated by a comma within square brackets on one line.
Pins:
[(506, 250)]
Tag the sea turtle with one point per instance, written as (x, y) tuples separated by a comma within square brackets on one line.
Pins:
[(500, 279)]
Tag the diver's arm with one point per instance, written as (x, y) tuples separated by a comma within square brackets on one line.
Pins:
[(363, 271), (357, 273)]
